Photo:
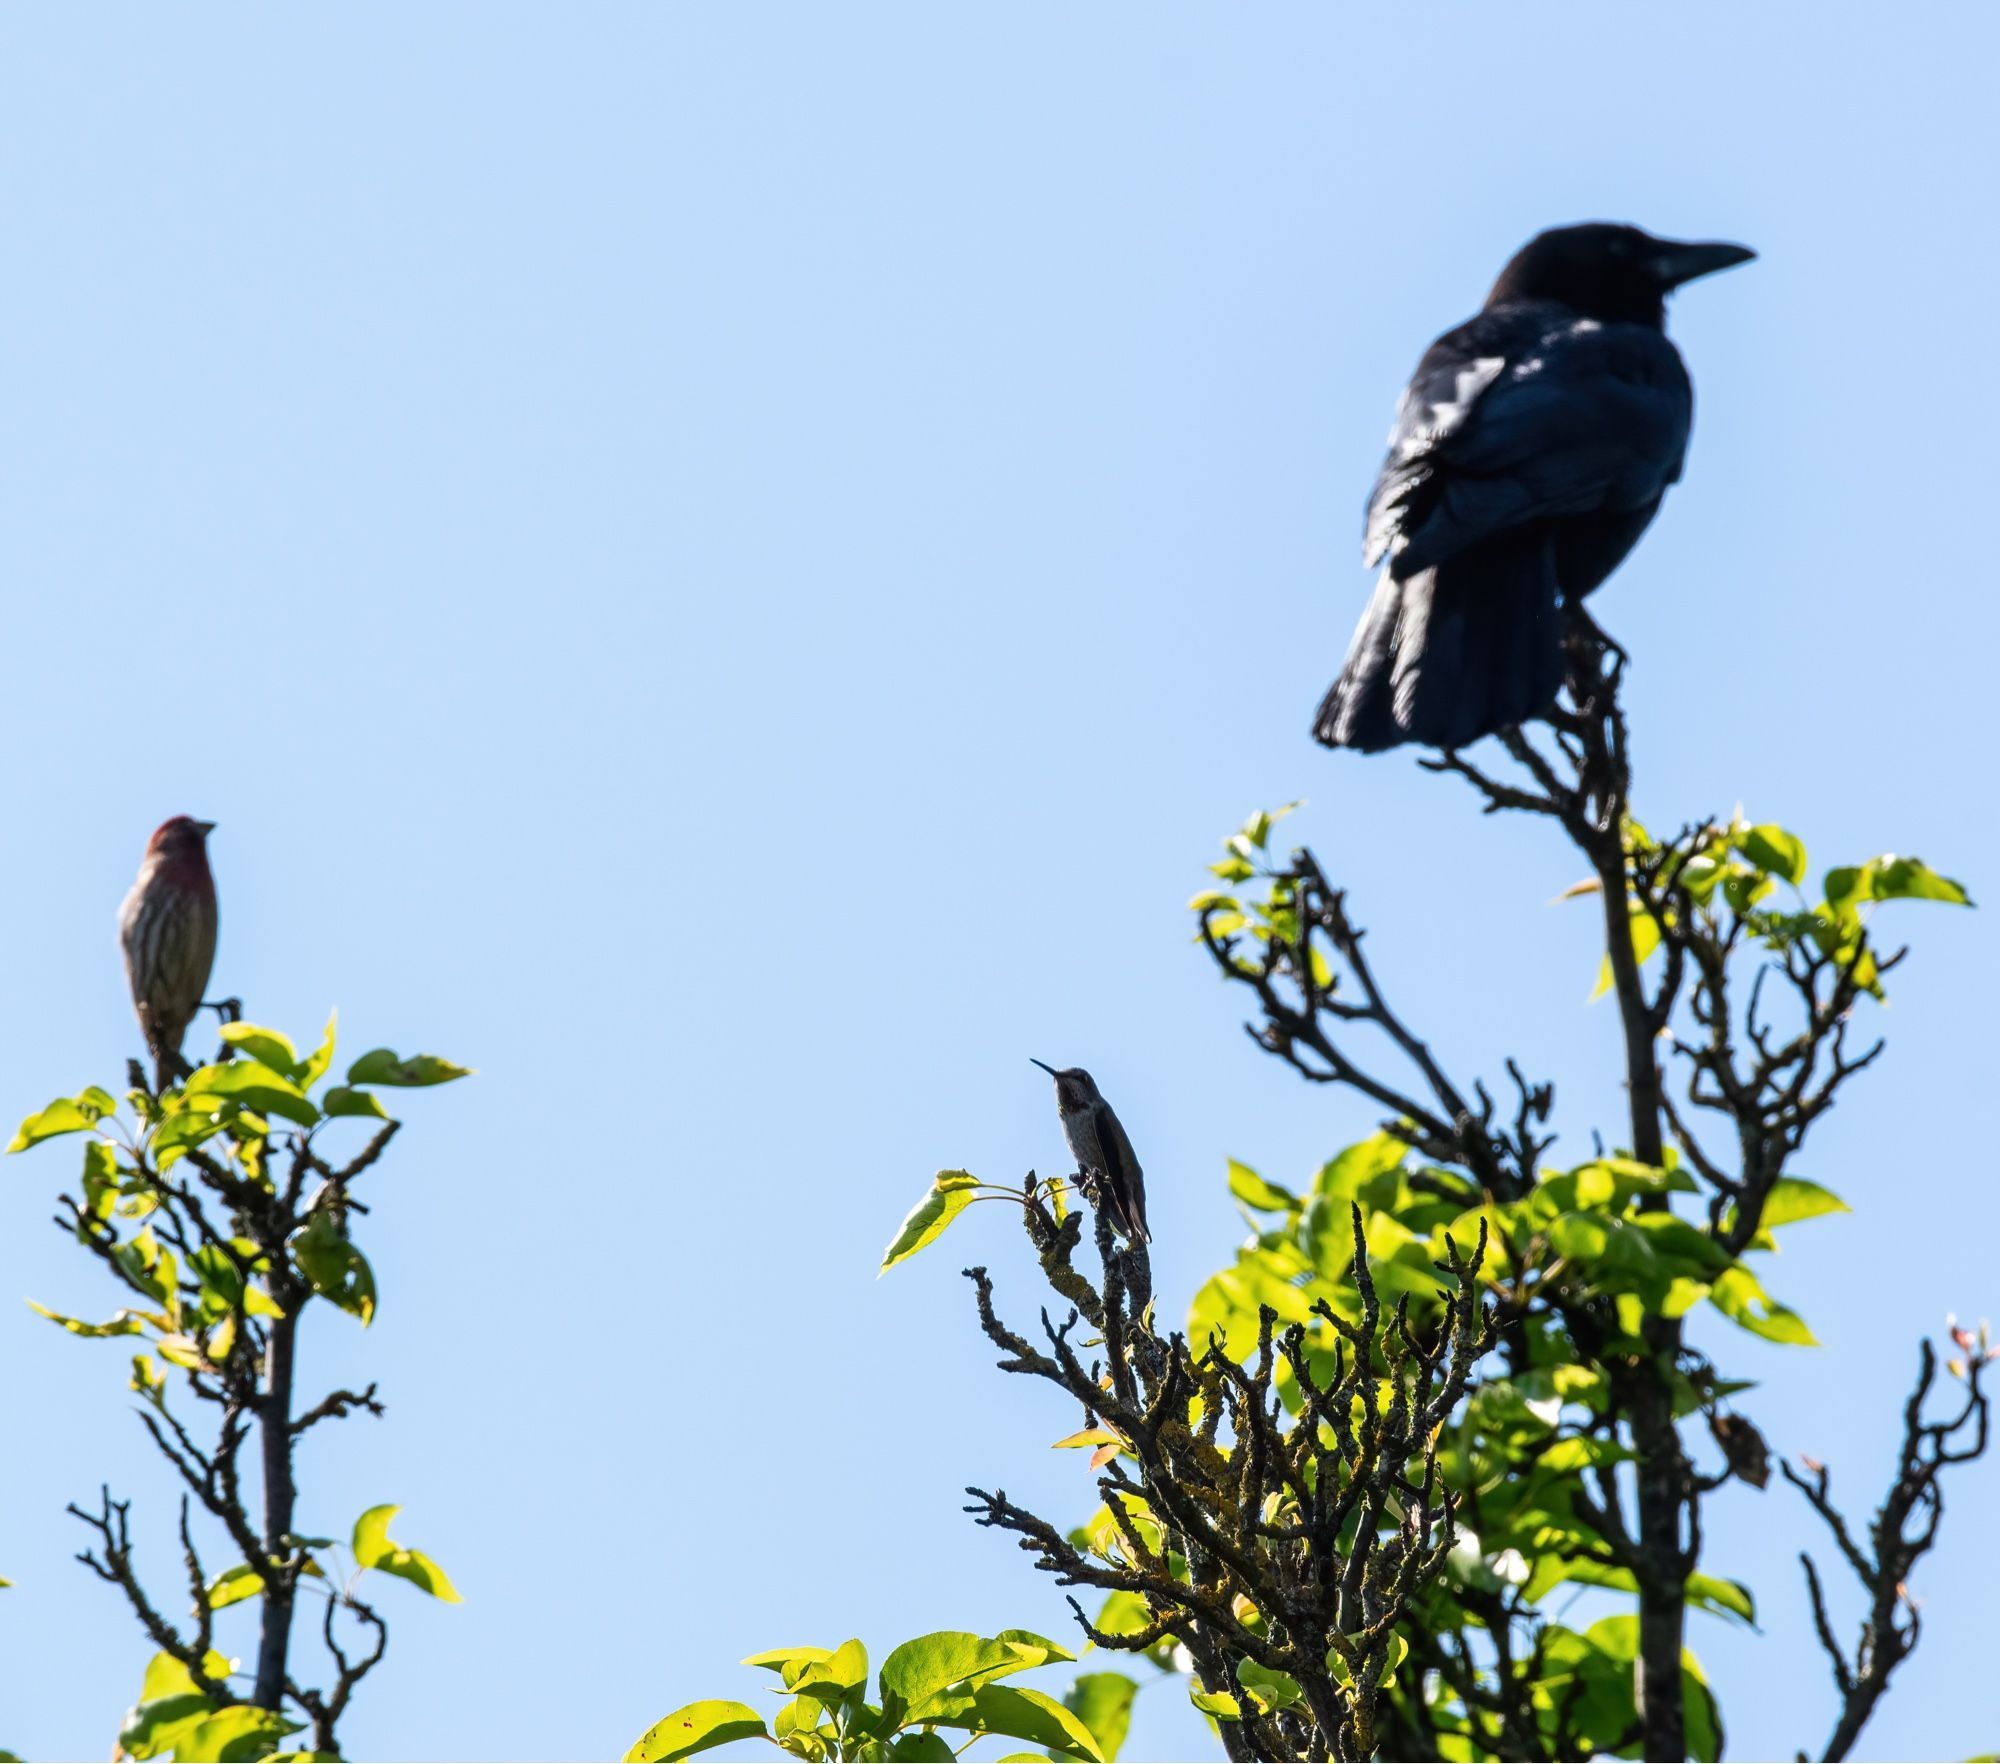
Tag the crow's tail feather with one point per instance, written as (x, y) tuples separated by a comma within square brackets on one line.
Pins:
[(1451, 653)]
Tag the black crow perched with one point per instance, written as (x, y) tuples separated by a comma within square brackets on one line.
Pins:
[(1530, 449)]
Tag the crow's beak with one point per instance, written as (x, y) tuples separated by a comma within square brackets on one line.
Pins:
[(1044, 1065), (1675, 263)]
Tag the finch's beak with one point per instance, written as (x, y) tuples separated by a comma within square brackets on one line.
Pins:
[(204, 828), (1044, 1065)]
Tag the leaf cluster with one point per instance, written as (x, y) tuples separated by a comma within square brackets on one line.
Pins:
[(934, 1685), (219, 1208)]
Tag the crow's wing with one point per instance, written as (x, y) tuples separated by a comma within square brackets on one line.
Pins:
[(1526, 413)]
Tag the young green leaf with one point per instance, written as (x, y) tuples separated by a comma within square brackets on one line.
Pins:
[(252, 1084), (158, 1726), (1102, 1701), (949, 1194), (381, 1066), (1773, 851), (1257, 1194), (64, 1115), (778, 1659), (374, 1548), (1740, 1296), (333, 1267), (124, 1323), (238, 1733), (830, 1679), (274, 1049), (1645, 940), (1272, 1690), (1793, 1198), (1016, 1712), (694, 1729), (923, 1667), (320, 1059)]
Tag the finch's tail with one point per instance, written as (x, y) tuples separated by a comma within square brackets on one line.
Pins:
[(1452, 653)]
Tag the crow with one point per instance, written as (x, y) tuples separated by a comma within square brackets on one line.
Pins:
[(1529, 451)]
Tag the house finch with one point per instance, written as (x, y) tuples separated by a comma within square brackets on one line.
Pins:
[(167, 927)]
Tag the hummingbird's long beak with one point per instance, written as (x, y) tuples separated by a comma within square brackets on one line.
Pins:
[(1046, 1067)]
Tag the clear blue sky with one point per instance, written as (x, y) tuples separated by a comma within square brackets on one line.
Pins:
[(727, 565)]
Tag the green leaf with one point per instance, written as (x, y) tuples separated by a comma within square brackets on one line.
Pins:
[(1367, 1172), (373, 1548), (1399, 1651), (1740, 1296), (1774, 851), (1726, 1598), (253, 1085), (949, 1194), (167, 1677), (233, 1585), (100, 1179), (694, 1729), (800, 1716), (240, 1732), (178, 1132), (1102, 1701), (317, 1063), (64, 1115), (124, 1323), (1890, 878), (1039, 1649), (1908, 878), (1702, 1718), (1031, 1715), (922, 1668), (1645, 939), (156, 1726), (1217, 1703), (1258, 828), (1272, 1690), (1124, 1613), (381, 1066), (1261, 1196), (830, 1679), (169, 1707), (333, 1267), (777, 1659), (274, 1049), (342, 1099), (1793, 1198)]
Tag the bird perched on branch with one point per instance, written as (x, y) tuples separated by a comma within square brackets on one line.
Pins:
[(1104, 1156), (1529, 451), (167, 928)]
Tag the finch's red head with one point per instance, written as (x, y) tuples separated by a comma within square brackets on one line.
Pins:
[(183, 834)]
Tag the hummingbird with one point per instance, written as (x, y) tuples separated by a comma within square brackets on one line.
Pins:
[(1103, 1154)]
